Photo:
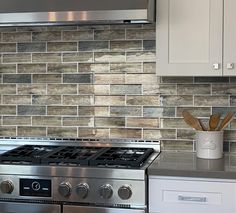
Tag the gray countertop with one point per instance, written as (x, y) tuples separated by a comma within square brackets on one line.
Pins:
[(186, 164)]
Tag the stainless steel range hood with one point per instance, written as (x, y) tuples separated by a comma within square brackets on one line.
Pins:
[(63, 12)]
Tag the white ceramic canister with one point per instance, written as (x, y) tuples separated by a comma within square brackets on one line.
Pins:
[(209, 144)]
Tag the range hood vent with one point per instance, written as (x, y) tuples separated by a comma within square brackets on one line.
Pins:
[(65, 12)]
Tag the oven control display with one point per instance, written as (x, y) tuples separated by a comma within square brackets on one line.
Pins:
[(35, 187)]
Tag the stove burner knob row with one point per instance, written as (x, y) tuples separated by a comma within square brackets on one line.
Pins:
[(6, 187), (82, 190), (106, 191), (65, 189), (124, 192)]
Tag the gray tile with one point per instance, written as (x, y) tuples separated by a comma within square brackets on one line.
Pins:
[(16, 120), (163, 89), (177, 100), (157, 134), (109, 79), (31, 131), (109, 56), (223, 110), (7, 89), (77, 78), (145, 34), (62, 110), (7, 47), (195, 111), (16, 78), (232, 100), (94, 132), (62, 68), (125, 111), (31, 110), (47, 78), (125, 133), (188, 80), (94, 67), (77, 35), (126, 45), (31, 68), (215, 100), (31, 29), (39, 89), (149, 45), (126, 89), (5, 131), (186, 134), (211, 79), (61, 46), (16, 57), (61, 28), (46, 57), (110, 122), (223, 89), (114, 34), (31, 47), (16, 99), (7, 109), (46, 121), (149, 67), (46, 36), (78, 121), (61, 89), (141, 56), (142, 100), (93, 46), (46, 99), (180, 145), (158, 111), (78, 57), (93, 111), (7, 68), (81, 100), (191, 89), (70, 132), (16, 36), (135, 67), (176, 123)]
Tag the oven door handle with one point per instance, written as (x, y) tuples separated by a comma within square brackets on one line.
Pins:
[(87, 209)]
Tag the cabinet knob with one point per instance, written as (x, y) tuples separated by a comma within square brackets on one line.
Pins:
[(230, 66), (216, 66)]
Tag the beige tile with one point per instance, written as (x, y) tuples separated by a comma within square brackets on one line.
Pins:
[(109, 79), (177, 145), (78, 121), (16, 99), (61, 89), (216, 100), (39, 89), (62, 110), (109, 100), (141, 79), (143, 100), (109, 56), (125, 133), (93, 111), (157, 134), (94, 89), (70, 132), (94, 132), (46, 121), (16, 120), (84, 100), (5, 131), (46, 57), (16, 57), (143, 122), (31, 131), (110, 122)]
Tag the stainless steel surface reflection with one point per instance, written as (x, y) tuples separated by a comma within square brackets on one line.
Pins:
[(210, 165)]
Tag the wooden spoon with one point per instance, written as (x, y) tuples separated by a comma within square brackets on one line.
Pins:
[(191, 120), (227, 119), (214, 121), (202, 125)]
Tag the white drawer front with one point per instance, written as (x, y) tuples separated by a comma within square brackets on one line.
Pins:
[(185, 196)]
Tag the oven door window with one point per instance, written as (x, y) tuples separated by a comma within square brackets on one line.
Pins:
[(14, 207)]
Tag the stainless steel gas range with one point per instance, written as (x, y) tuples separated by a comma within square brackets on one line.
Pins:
[(45, 175)]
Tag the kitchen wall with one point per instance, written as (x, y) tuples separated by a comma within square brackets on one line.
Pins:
[(100, 81)]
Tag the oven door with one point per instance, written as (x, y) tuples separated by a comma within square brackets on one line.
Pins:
[(84, 209), (14, 207)]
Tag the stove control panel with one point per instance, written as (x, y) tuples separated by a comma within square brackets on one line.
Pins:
[(124, 192), (82, 190), (65, 189), (35, 187)]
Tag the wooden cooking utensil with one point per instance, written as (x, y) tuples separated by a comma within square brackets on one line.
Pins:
[(227, 119), (202, 125), (214, 121), (191, 120)]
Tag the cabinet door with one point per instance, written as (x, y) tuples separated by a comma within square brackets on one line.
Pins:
[(187, 196), (229, 37), (189, 37)]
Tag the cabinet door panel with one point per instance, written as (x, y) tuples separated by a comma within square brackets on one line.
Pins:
[(189, 37), (168, 196), (229, 37)]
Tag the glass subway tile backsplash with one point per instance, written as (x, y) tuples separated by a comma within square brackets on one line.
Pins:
[(100, 81)]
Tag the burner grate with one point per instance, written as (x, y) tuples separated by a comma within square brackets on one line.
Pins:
[(72, 156), (28, 154), (122, 157)]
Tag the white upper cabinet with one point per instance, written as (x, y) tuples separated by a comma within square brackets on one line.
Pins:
[(190, 37), (229, 38)]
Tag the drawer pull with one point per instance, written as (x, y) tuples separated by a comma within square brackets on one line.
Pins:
[(192, 199)]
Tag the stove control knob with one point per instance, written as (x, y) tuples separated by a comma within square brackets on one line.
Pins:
[(106, 191), (64, 189), (82, 190), (124, 192), (6, 187)]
